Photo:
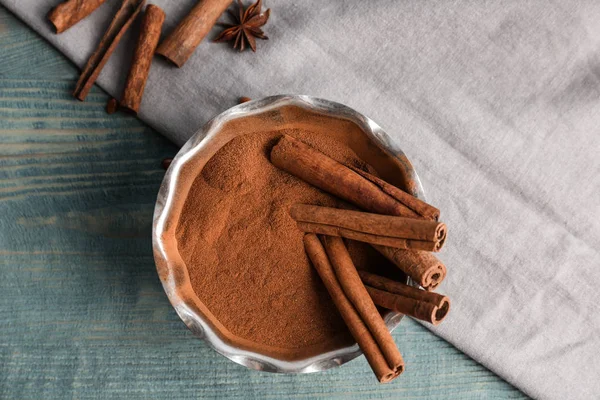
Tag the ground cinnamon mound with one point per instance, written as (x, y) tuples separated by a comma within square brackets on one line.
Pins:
[(244, 253)]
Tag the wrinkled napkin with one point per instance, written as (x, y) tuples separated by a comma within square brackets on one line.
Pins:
[(497, 103)]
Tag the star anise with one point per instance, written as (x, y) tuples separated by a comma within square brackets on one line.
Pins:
[(247, 25)]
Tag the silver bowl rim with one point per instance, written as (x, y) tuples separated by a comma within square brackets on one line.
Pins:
[(196, 322)]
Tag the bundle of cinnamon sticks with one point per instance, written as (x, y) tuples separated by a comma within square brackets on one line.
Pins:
[(400, 226)]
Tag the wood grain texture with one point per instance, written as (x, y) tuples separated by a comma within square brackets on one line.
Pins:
[(83, 313)]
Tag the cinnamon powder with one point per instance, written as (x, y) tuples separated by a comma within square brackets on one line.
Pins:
[(244, 254)]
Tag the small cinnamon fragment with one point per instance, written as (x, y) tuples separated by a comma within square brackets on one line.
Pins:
[(112, 106), (244, 99), (152, 22), (401, 232), (67, 14), (423, 267), (427, 306), (166, 163), (351, 317), (314, 167), (121, 22), (181, 43)]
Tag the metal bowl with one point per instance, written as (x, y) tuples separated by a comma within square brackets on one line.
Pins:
[(172, 270)]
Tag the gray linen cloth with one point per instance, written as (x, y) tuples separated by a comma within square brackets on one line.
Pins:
[(497, 103)]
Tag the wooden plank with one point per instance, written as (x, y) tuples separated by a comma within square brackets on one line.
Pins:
[(83, 313), (24, 53)]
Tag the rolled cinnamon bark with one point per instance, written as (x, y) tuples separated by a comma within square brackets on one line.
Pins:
[(423, 267), (372, 228), (419, 206), (152, 22), (392, 286), (314, 167), (121, 22), (355, 324), (417, 309), (181, 43), (426, 306), (69, 13), (355, 291), (367, 237), (349, 183)]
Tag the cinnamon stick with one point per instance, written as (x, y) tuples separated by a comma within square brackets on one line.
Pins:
[(427, 306), (152, 22), (423, 267), (401, 232), (399, 243), (70, 12), (355, 291), (314, 167), (121, 22), (181, 43), (417, 205), (355, 324)]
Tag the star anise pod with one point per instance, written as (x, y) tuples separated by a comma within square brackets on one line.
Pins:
[(247, 25)]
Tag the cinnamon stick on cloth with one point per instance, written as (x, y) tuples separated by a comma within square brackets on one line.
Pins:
[(181, 43), (314, 167), (70, 12), (357, 327), (152, 23), (400, 232), (121, 22), (423, 267), (426, 306)]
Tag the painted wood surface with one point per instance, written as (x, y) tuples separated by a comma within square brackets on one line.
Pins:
[(82, 312)]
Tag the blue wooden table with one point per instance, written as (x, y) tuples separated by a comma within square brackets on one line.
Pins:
[(82, 312)]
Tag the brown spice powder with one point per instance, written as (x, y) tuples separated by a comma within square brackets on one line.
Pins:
[(244, 253)]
